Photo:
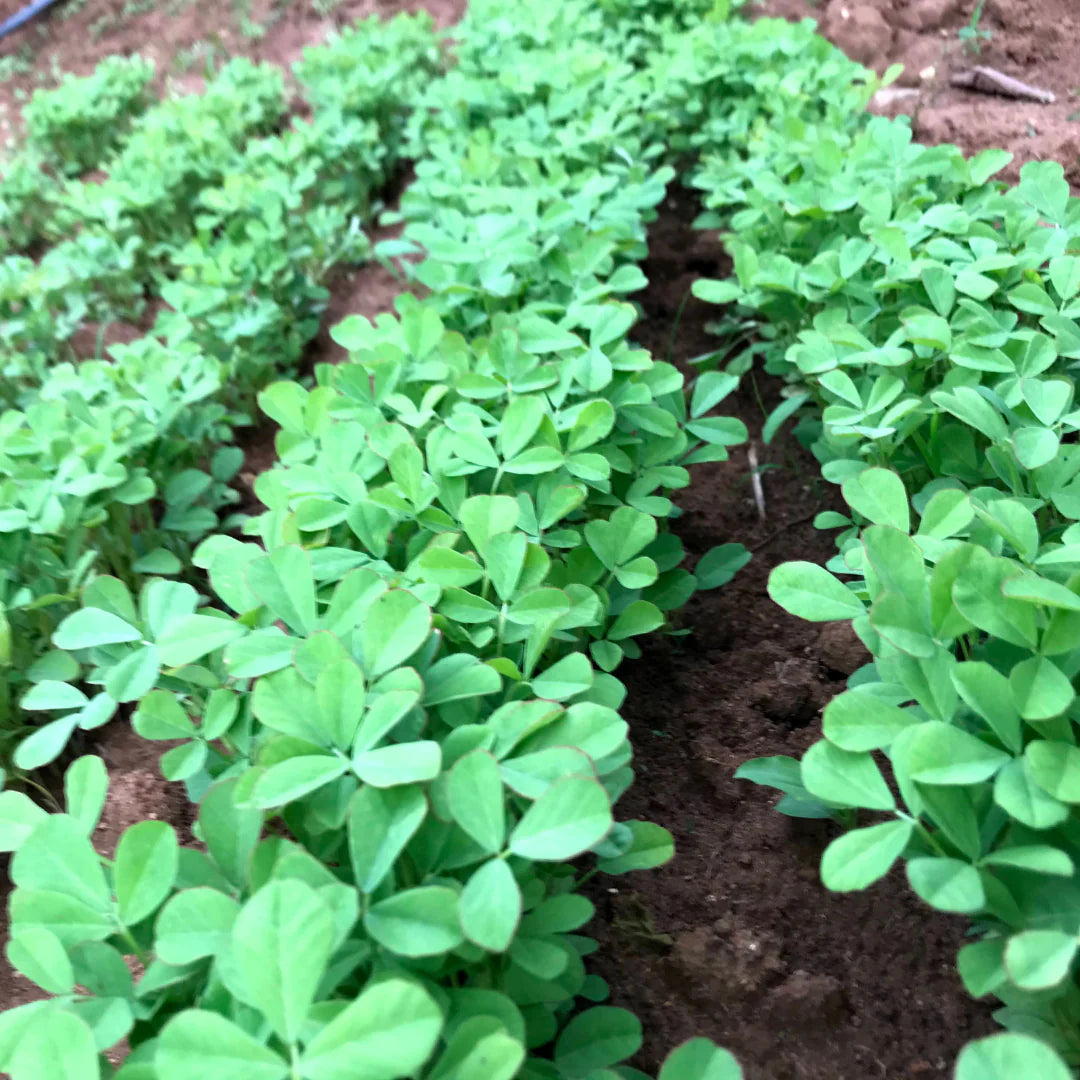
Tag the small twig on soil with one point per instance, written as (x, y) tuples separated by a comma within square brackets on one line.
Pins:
[(755, 481), (783, 529), (987, 80)]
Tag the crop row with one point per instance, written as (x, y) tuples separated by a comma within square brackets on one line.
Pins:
[(227, 232), (398, 712), (924, 317)]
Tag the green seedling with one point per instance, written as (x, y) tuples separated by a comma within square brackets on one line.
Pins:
[(974, 34)]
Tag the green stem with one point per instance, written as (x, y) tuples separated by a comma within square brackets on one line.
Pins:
[(129, 937)]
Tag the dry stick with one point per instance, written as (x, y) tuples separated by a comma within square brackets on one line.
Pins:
[(755, 481), (989, 80)]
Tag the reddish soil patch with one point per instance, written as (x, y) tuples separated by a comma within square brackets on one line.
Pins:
[(1034, 42), (737, 938)]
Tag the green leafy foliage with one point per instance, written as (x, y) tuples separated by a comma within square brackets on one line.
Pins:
[(119, 466), (77, 124)]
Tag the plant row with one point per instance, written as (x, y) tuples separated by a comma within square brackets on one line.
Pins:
[(924, 317), (119, 466), (397, 710)]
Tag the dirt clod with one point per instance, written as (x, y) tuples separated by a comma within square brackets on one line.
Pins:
[(807, 1000), (860, 30), (924, 16), (840, 649)]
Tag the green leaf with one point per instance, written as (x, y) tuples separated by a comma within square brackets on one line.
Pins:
[(292, 779), (459, 676), (987, 691), (880, 496), (39, 955), (19, 816), (597, 1038), (49, 695), (206, 1045), (389, 1031), (480, 1048), (394, 627), (281, 943), (1039, 959), (490, 906), (810, 592), (786, 409), (947, 884), (193, 636), (719, 565), (158, 561), (485, 516), (859, 721), (844, 778), (57, 1045), (416, 922), (475, 795), (46, 744), (1042, 184), (444, 566), (195, 923), (1010, 1056), (401, 763), (982, 166), (651, 846), (1035, 446), (1040, 689), (1018, 794), (540, 335), (948, 512), (92, 626), (566, 678), (977, 594), (230, 832), (285, 583), (260, 653), (700, 1059), (135, 675), (982, 966), (72, 921), (1055, 767), (147, 860), (532, 774), (1036, 858), (619, 539), (640, 617), (159, 716), (942, 754), (716, 292), (861, 857), (570, 817), (593, 423), (381, 823), (57, 857)]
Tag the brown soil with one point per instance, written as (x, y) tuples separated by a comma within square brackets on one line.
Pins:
[(1035, 42)]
